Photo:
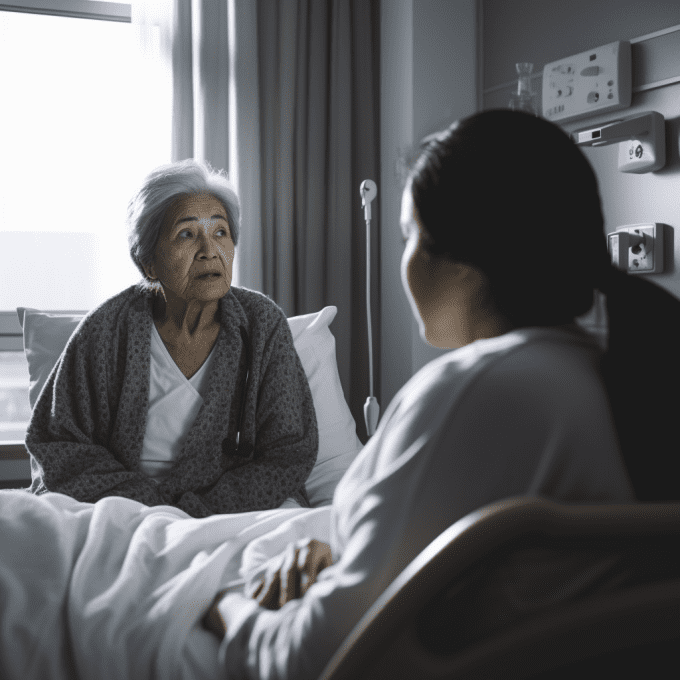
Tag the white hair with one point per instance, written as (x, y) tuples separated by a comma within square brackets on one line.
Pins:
[(161, 188)]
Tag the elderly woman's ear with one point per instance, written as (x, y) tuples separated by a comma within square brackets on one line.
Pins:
[(150, 272)]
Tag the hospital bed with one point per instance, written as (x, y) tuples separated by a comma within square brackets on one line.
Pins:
[(448, 615), (74, 542), (530, 588), (46, 332)]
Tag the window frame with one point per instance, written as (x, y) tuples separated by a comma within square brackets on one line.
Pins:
[(79, 9), (11, 340), (11, 333)]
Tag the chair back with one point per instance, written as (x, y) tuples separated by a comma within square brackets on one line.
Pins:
[(521, 588)]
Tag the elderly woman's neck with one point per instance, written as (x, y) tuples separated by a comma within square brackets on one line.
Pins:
[(186, 320)]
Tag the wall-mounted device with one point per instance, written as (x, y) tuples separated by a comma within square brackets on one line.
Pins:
[(641, 139), (588, 83), (637, 248)]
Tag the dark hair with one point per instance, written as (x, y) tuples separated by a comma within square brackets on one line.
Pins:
[(532, 193), (511, 195)]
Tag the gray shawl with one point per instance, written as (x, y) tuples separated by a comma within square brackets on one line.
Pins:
[(87, 430)]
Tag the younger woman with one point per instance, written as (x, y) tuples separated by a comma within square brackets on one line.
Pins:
[(504, 251)]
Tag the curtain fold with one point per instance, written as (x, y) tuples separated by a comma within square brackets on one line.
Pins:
[(283, 95)]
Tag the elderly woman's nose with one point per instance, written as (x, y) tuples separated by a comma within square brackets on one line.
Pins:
[(207, 245)]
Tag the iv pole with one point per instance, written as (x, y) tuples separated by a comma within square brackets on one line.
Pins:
[(369, 191)]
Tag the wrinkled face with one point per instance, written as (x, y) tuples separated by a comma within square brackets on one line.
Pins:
[(195, 254)]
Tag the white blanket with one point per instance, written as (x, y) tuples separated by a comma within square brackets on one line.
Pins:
[(117, 590)]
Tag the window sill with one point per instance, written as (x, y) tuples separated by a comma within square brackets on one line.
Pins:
[(13, 451)]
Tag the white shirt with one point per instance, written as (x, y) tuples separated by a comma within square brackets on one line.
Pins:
[(174, 403), (524, 413)]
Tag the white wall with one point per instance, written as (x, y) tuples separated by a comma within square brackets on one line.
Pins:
[(429, 78)]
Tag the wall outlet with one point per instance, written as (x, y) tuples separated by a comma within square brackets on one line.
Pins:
[(648, 153), (644, 243)]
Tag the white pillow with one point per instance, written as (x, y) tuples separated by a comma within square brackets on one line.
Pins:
[(47, 332), (338, 441)]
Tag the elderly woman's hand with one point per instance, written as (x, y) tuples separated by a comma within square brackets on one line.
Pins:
[(213, 620), (289, 575)]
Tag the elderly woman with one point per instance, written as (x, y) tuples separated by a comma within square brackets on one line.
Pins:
[(529, 402), (182, 390)]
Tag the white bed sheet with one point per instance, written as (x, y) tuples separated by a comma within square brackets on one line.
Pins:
[(118, 589)]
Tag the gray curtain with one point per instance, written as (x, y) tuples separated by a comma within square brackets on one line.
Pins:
[(283, 94), (319, 88)]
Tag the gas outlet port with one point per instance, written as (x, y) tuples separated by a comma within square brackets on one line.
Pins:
[(637, 248)]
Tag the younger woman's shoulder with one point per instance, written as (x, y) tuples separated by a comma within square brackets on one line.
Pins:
[(446, 378)]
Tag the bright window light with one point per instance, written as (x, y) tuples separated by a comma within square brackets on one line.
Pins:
[(81, 123)]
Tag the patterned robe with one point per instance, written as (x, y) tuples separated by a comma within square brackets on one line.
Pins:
[(86, 434)]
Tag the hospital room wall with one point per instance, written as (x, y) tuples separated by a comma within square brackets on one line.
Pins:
[(429, 78), (540, 32), (443, 59)]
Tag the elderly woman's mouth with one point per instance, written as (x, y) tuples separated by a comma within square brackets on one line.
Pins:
[(209, 275)]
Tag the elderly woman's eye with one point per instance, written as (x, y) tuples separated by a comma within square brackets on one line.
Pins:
[(185, 231)]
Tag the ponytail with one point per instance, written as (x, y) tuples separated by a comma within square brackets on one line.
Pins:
[(641, 372)]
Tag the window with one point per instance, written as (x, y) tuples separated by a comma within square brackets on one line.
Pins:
[(80, 125), (15, 411)]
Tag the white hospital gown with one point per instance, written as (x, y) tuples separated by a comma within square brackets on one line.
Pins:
[(525, 413), (174, 403)]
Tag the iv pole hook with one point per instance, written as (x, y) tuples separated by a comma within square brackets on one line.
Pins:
[(369, 191)]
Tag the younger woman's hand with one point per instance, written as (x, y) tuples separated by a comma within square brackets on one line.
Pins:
[(289, 575)]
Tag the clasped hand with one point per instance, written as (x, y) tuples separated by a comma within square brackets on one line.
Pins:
[(287, 576), (290, 574)]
